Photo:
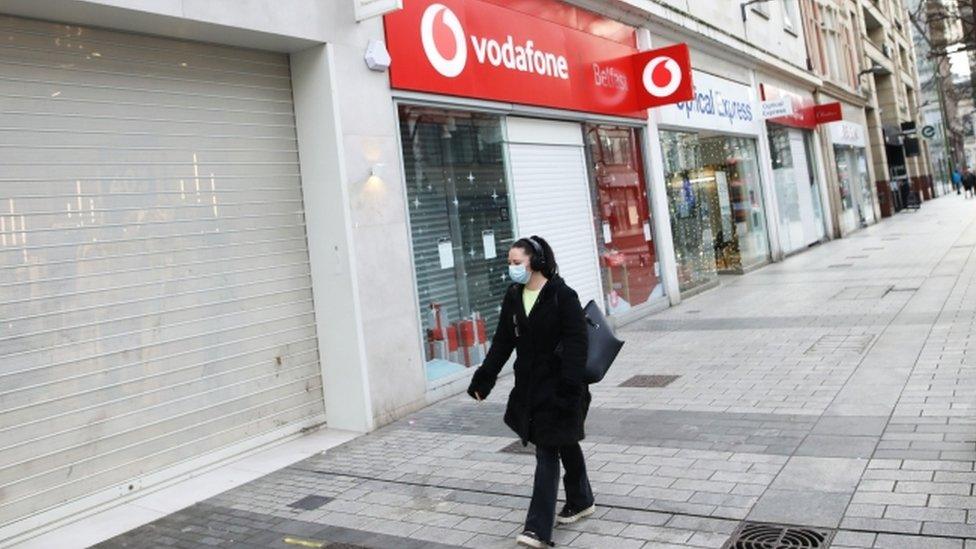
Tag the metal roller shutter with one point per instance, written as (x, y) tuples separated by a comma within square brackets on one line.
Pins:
[(552, 197), (155, 300)]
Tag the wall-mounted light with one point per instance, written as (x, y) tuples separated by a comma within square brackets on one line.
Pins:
[(375, 181)]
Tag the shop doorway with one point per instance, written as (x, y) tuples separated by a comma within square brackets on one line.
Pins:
[(622, 217), (801, 221)]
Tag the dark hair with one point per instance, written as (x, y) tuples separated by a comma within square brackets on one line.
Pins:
[(541, 256)]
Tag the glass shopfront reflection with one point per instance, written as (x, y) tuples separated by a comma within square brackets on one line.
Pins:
[(854, 180), (460, 229), (631, 273), (715, 203)]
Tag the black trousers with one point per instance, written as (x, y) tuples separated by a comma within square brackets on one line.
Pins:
[(579, 495)]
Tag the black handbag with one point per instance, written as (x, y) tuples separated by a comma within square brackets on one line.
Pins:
[(603, 346)]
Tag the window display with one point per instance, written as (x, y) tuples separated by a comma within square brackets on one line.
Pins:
[(715, 202), (631, 274), (460, 230), (855, 187), (801, 221)]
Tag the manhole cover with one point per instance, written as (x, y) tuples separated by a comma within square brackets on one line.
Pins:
[(649, 381), (758, 535), (517, 448), (840, 344), (854, 293), (308, 503)]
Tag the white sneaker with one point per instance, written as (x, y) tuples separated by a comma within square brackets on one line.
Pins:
[(529, 539), (569, 515)]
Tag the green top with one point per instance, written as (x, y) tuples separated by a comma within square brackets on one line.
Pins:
[(528, 299)]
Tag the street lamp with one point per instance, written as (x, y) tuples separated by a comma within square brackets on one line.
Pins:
[(874, 69)]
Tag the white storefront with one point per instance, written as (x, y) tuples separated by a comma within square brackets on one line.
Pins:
[(711, 149), (849, 143)]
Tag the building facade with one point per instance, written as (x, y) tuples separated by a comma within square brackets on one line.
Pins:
[(893, 114), (942, 120), (222, 225)]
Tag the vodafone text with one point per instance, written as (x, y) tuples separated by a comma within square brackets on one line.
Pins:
[(712, 103), (524, 58)]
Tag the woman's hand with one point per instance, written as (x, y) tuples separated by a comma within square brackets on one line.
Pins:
[(475, 393)]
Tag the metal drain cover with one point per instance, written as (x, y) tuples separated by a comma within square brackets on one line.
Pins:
[(855, 293), (650, 382), (829, 345), (760, 535), (310, 503)]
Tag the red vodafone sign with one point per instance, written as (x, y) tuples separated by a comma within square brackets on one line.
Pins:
[(472, 48), (665, 76)]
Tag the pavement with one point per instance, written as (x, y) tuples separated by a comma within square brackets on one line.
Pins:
[(832, 392)]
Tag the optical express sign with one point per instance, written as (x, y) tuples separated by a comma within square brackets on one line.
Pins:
[(471, 48)]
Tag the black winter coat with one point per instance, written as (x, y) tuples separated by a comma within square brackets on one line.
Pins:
[(550, 400)]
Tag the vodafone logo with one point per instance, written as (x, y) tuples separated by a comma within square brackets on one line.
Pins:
[(662, 76), (445, 45), (443, 39)]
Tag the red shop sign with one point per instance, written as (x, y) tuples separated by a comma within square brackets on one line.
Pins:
[(828, 112), (803, 108), (478, 49)]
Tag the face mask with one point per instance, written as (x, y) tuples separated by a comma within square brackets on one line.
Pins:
[(518, 273)]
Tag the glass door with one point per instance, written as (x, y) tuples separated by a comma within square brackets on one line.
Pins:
[(631, 273)]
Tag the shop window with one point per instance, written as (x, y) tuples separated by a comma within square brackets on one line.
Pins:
[(797, 194), (460, 228), (631, 273), (857, 200), (715, 202)]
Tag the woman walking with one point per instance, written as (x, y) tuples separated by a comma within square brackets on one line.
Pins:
[(542, 321)]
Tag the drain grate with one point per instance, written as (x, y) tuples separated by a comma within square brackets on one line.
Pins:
[(649, 382), (873, 248), (760, 535), (840, 265), (517, 448), (857, 257), (310, 503), (840, 344)]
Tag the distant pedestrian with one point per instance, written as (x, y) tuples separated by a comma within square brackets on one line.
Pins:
[(956, 181), (969, 183), (550, 400)]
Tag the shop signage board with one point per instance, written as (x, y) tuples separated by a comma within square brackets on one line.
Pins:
[(479, 49), (718, 104), (847, 133), (777, 108), (802, 107), (828, 112)]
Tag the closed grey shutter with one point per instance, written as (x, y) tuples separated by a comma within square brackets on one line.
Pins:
[(552, 198), (155, 300)]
